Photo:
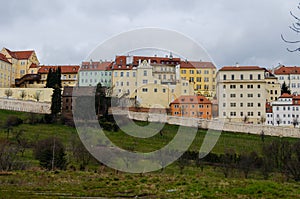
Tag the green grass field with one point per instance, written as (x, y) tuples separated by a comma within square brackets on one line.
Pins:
[(101, 181)]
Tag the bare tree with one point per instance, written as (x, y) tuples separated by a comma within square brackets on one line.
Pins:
[(8, 93), (37, 95), (295, 27), (23, 94)]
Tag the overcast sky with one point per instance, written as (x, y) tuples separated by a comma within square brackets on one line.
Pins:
[(65, 32)]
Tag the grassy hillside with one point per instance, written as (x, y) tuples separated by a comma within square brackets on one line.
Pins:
[(100, 181)]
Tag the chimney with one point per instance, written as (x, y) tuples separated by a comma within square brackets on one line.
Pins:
[(237, 64), (140, 61)]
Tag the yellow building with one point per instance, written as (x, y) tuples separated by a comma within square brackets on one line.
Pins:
[(148, 82), (273, 87), (5, 72), (202, 74), (69, 74), (22, 62)]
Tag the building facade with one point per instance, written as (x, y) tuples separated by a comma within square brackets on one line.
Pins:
[(242, 93), (192, 106), (21, 62), (69, 74), (148, 82), (6, 71), (202, 74), (285, 111), (290, 75), (91, 73)]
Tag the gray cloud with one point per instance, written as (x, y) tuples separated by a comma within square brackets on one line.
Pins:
[(64, 32)]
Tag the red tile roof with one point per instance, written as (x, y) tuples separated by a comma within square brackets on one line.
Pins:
[(64, 69), (120, 61), (241, 68), (191, 99), (20, 54), (3, 58), (286, 95), (269, 108), (91, 66), (197, 64), (285, 70)]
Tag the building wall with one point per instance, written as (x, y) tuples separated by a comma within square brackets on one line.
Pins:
[(92, 78), (204, 78), (6, 74), (192, 110), (292, 81), (273, 89), (240, 97), (45, 94), (144, 89)]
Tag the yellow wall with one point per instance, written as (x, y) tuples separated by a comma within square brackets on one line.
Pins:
[(5, 74), (204, 78)]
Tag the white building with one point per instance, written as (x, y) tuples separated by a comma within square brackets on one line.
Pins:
[(284, 112), (290, 75)]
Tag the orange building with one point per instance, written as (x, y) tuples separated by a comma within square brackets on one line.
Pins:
[(192, 106)]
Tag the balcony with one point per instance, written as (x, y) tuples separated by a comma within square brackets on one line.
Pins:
[(27, 78)]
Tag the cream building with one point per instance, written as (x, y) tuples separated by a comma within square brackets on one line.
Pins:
[(149, 82), (242, 93), (5, 72)]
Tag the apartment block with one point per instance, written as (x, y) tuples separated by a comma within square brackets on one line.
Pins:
[(284, 112), (69, 74), (290, 75), (149, 82), (91, 73), (5, 72), (242, 93), (203, 76), (23, 62), (192, 106)]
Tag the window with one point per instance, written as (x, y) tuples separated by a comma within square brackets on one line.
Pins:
[(206, 72), (258, 114), (155, 91), (250, 95), (232, 95), (206, 79), (249, 104), (183, 72), (241, 95), (145, 73), (258, 86), (127, 74), (241, 86), (232, 77), (232, 104), (258, 95), (224, 95), (122, 74), (191, 71), (232, 113), (164, 90), (259, 76), (249, 86), (133, 74), (241, 104), (242, 77), (224, 105), (224, 77), (145, 81), (258, 104), (224, 86), (198, 79), (145, 90), (232, 86), (242, 114), (250, 113), (251, 77)]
